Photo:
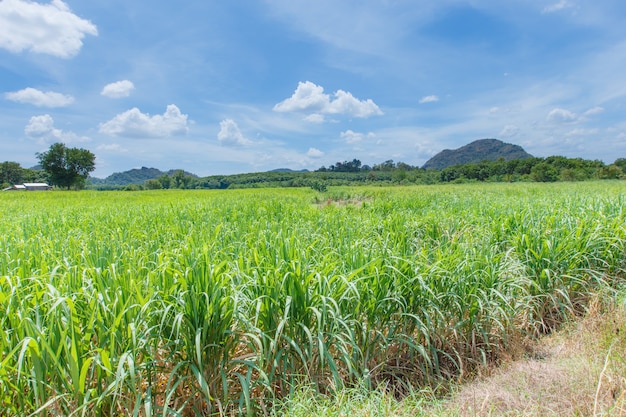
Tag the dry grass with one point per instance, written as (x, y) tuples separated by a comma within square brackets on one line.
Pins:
[(580, 371)]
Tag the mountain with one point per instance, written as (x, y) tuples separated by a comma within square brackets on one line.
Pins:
[(287, 170), (134, 176), (477, 151)]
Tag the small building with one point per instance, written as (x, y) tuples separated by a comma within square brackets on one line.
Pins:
[(30, 186)]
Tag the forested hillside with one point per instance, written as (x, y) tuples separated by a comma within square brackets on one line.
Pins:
[(475, 152)]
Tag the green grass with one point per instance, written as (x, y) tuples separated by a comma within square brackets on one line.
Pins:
[(215, 302)]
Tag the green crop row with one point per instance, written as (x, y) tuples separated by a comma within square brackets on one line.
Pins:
[(176, 303)]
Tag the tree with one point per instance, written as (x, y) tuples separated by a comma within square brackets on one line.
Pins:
[(621, 163), (544, 172), (10, 173), (165, 181), (610, 172), (181, 180), (67, 167), (152, 184)]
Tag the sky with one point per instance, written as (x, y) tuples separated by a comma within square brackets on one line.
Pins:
[(224, 87)]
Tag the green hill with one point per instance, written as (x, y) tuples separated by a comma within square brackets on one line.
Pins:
[(133, 176), (477, 151)]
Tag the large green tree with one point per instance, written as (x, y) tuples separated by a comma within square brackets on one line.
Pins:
[(10, 173), (67, 167)]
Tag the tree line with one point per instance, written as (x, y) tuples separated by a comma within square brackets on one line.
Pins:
[(353, 172), (69, 168)]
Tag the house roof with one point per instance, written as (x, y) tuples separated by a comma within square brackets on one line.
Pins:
[(29, 185), (34, 184)]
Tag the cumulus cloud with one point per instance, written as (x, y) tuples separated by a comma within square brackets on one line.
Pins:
[(42, 28), (314, 153), (310, 97), (558, 115), (429, 99), (346, 103), (230, 134), (118, 89), (39, 98), (135, 124), (41, 128), (307, 97)]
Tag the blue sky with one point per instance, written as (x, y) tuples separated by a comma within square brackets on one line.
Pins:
[(220, 87)]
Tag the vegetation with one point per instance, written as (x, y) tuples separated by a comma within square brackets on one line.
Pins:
[(551, 169), (12, 173), (216, 302), (578, 371), (485, 160), (143, 175), (67, 167), (475, 152)]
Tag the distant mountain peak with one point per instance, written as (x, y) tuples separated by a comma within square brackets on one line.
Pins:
[(287, 170), (475, 152)]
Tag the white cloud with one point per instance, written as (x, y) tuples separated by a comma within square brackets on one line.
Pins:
[(307, 97), (558, 115), (315, 118), (310, 97), (230, 134), (40, 126), (42, 28), (346, 103), (355, 137), (314, 153), (39, 98), (429, 99), (351, 137), (562, 4), (118, 89), (135, 124), (42, 129), (373, 28), (112, 147), (583, 132), (509, 131), (594, 110)]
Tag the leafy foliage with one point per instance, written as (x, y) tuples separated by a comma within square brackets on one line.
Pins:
[(67, 167), (11, 173)]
